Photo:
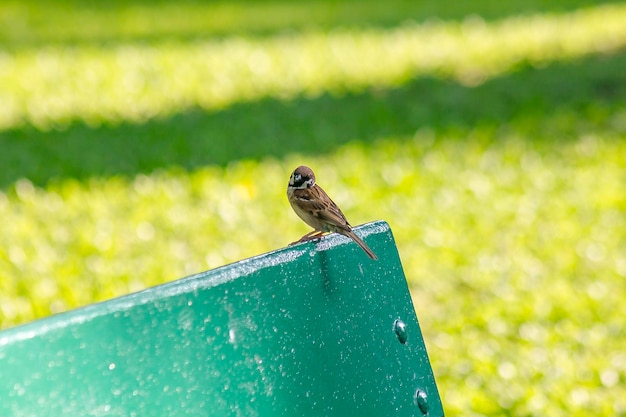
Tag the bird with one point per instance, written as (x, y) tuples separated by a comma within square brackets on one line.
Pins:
[(314, 206)]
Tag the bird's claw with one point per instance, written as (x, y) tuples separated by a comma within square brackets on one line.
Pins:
[(309, 236)]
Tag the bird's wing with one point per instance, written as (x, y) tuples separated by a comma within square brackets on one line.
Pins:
[(316, 201)]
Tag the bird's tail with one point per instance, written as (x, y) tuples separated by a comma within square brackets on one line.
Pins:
[(359, 242)]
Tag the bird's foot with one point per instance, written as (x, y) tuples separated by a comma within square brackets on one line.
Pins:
[(315, 234)]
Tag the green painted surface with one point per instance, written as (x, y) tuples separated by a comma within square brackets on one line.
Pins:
[(309, 330)]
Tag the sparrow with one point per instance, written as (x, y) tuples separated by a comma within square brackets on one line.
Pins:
[(317, 210)]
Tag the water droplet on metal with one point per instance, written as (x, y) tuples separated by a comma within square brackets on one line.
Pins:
[(421, 399), (399, 327)]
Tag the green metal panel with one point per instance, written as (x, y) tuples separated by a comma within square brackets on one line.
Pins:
[(316, 329)]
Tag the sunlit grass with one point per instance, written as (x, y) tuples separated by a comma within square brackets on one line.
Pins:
[(27, 23), (54, 86)]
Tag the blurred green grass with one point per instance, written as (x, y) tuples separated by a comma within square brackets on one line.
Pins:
[(494, 147), (27, 23)]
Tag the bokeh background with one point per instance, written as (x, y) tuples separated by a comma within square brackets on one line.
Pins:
[(142, 141)]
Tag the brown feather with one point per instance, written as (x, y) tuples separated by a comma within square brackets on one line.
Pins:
[(362, 244)]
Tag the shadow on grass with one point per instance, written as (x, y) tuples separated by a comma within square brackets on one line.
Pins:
[(591, 89)]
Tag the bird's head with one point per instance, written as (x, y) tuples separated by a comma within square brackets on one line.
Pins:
[(302, 177)]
